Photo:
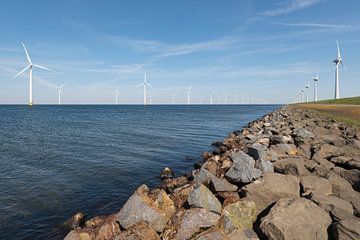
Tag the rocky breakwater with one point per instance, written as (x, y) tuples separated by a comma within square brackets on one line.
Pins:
[(289, 175)]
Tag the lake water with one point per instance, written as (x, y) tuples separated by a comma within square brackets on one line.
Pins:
[(57, 160)]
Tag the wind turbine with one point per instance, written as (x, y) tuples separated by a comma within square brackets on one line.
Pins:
[(188, 94), (211, 96), (307, 92), (116, 93), (226, 97), (316, 79), (30, 68), (60, 89), (173, 99), (337, 62), (145, 84)]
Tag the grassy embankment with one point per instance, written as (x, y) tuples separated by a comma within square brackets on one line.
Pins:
[(346, 109)]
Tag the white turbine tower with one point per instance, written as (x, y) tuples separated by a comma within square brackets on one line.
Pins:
[(307, 92), (316, 79), (188, 94), (337, 62), (145, 84), (60, 92), (116, 93), (30, 68), (211, 96), (173, 99), (226, 98)]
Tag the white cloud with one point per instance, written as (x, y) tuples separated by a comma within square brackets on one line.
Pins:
[(293, 6), (316, 25)]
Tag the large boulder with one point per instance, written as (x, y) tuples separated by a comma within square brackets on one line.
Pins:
[(155, 210), (330, 203), (296, 219), (180, 195), (348, 162), (353, 197), (240, 215), (346, 229), (284, 150), (326, 151), (292, 166), (186, 223), (315, 184), (243, 168), (202, 197), (270, 188), (139, 231)]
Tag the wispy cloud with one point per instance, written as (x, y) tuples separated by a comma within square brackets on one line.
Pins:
[(316, 25), (292, 6)]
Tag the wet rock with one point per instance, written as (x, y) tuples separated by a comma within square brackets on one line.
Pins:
[(180, 195), (315, 184), (186, 223), (202, 197), (291, 166), (76, 221), (167, 173), (270, 188), (243, 169), (296, 219), (240, 215), (139, 231), (140, 207), (346, 229)]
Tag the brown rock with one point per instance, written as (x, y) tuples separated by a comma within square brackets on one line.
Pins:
[(346, 229), (180, 195), (81, 234), (352, 176), (353, 197), (270, 188), (109, 229), (95, 222), (139, 231), (247, 234), (169, 184), (229, 197), (296, 219), (348, 162), (292, 166), (315, 184), (76, 221), (329, 203), (211, 234)]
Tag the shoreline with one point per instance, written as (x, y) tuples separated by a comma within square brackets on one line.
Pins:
[(247, 187)]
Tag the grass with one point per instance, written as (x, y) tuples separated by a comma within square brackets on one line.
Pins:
[(350, 101)]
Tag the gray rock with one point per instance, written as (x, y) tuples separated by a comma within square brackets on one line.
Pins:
[(243, 168), (140, 207), (346, 229), (257, 151), (264, 165), (275, 139), (202, 197), (219, 184), (292, 166), (303, 133)]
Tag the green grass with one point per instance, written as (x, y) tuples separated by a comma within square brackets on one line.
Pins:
[(351, 101)]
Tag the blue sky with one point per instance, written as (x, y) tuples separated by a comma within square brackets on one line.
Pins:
[(258, 50)]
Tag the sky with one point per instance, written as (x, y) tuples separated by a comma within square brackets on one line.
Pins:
[(252, 51)]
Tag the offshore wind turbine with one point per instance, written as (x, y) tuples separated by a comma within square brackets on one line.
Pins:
[(316, 79), (30, 67), (188, 94), (337, 62), (211, 96), (145, 84), (116, 93), (60, 92), (173, 99)]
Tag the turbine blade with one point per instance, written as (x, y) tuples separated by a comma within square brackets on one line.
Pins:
[(22, 71), (27, 54), (344, 66), (338, 48), (149, 85), (48, 69), (61, 86)]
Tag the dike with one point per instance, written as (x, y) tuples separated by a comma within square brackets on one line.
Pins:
[(292, 174)]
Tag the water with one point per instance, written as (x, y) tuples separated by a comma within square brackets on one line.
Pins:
[(57, 160)]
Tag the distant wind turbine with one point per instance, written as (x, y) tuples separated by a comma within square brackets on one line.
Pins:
[(30, 68), (316, 80), (338, 60), (211, 96), (307, 92), (116, 93), (60, 89), (226, 98), (188, 94), (173, 99), (145, 84)]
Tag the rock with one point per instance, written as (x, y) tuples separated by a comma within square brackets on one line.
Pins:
[(352, 176), (329, 203), (167, 173), (338, 214), (301, 135), (222, 185), (139, 231), (240, 215), (315, 184), (140, 207), (338, 183), (211, 234), (180, 195), (169, 184), (202, 197), (109, 229), (283, 148), (95, 222), (292, 166), (264, 165), (353, 197), (257, 151), (296, 219), (270, 188), (186, 223), (247, 234), (346, 229), (228, 197), (76, 221), (275, 139), (81, 234), (346, 162), (327, 151), (243, 169)]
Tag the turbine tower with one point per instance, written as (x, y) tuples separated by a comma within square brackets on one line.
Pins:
[(30, 67), (145, 84), (337, 62), (226, 98), (60, 89), (116, 93), (316, 79), (188, 94), (211, 96), (307, 92), (173, 99)]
